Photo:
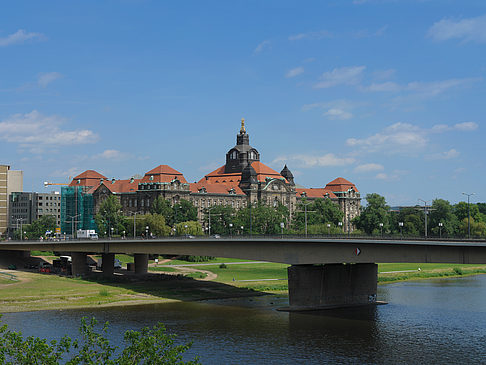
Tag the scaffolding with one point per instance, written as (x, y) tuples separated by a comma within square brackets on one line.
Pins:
[(77, 210)]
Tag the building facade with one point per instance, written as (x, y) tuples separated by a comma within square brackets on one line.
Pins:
[(26, 207), (242, 180), (10, 181)]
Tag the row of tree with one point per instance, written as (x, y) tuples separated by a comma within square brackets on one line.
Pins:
[(443, 219), (320, 216)]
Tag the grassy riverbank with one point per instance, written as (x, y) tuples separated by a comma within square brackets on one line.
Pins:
[(32, 291)]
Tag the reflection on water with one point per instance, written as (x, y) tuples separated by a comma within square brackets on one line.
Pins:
[(433, 321)]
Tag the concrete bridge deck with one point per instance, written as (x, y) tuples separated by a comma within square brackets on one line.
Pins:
[(324, 273)]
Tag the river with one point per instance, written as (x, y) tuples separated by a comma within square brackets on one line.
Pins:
[(439, 321)]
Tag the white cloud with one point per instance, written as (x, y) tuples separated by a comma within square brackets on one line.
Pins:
[(35, 129), (334, 110), (262, 46), (19, 36), (307, 161), (388, 86), (46, 78), (340, 76), (469, 29), (447, 155), (111, 155), (294, 72), (311, 35), (369, 167), (423, 89), (464, 127), (384, 74), (336, 113), (399, 137)]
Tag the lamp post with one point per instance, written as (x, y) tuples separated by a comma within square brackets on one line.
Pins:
[(468, 215), (241, 230), (185, 229), (111, 230), (123, 233), (134, 224), (440, 229), (230, 229), (328, 229), (425, 215), (305, 217), (381, 229), (282, 225), (146, 231), (400, 224), (72, 217), (340, 224)]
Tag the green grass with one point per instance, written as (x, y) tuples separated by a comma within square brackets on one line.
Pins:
[(248, 272), (162, 269), (216, 260), (196, 275), (41, 253), (413, 266)]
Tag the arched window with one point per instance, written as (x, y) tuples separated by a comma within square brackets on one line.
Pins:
[(233, 155), (252, 155)]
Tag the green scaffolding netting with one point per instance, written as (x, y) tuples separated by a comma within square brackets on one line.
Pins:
[(77, 209)]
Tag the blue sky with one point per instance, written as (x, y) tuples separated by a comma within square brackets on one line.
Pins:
[(389, 94)]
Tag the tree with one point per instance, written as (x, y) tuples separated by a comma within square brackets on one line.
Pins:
[(373, 214), (38, 228), (183, 211), (192, 228), (443, 212), (147, 346), (156, 224), (478, 229), (264, 219), (110, 216), (162, 206), (461, 211), (319, 212), (221, 218)]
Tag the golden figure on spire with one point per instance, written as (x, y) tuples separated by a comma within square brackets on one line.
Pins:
[(242, 130)]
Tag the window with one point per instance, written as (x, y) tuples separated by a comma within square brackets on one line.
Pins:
[(233, 155)]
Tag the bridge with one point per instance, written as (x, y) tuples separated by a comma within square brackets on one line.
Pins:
[(324, 272)]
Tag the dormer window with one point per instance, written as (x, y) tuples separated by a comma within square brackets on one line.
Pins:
[(151, 177), (234, 155), (253, 155)]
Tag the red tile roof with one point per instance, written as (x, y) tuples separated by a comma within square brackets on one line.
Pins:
[(340, 185), (163, 173), (118, 186), (218, 176), (315, 193), (215, 188), (87, 178)]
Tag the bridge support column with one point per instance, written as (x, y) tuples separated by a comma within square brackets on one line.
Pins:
[(79, 265), (331, 286), (141, 263), (108, 264)]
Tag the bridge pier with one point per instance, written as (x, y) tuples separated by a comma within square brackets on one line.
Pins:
[(141, 263), (314, 287), (108, 264), (79, 265)]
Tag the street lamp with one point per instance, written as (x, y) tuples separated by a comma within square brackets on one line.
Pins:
[(72, 217), (185, 229), (146, 231), (241, 229), (440, 229), (381, 229), (230, 228), (328, 229), (111, 230), (400, 224), (340, 224), (282, 225), (123, 233), (425, 214), (468, 215)]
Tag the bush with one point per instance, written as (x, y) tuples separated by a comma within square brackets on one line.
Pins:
[(223, 266), (147, 346), (458, 271), (197, 258)]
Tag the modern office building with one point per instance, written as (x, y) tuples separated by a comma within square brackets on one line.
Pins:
[(10, 181), (26, 207)]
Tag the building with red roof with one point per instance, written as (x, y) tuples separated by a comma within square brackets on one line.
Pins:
[(241, 180)]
